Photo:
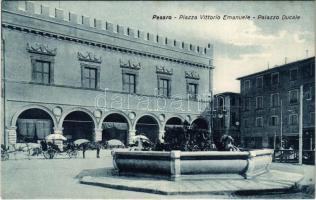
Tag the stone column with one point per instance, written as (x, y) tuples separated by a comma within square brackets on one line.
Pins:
[(161, 135), (58, 130), (11, 134), (97, 135), (131, 134)]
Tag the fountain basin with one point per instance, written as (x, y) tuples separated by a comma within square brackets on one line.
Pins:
[(179, 165)]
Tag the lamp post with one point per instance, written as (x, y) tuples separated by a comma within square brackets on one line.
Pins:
[(300, 126), (281, 123)]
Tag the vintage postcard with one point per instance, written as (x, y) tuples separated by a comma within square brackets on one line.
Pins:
[(157, 99)]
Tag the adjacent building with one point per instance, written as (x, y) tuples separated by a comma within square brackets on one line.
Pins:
[(86, 78), (226, 116), (271, 106)]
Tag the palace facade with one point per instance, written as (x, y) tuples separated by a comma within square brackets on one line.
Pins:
[(86, 78)]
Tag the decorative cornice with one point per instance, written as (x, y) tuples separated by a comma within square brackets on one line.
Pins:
[(192, 75), (89, 57), (130, 65), (102, 45), (41, 49), (163, 70)]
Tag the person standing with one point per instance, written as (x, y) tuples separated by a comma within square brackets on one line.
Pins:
[(98, 146), (83, 150)]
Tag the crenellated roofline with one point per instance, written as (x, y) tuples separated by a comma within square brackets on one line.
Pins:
[(106, 28)]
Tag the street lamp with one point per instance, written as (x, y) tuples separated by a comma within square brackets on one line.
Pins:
[(300, 133)]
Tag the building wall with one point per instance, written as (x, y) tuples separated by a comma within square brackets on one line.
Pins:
[(265, 134), (22, 29), (229, 125)]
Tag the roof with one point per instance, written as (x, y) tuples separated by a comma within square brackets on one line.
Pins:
[(277, 68)]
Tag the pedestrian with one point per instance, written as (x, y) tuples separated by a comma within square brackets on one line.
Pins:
[(98, 146), (83, 150)]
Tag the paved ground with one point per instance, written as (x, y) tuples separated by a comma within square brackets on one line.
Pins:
[(58, 178)]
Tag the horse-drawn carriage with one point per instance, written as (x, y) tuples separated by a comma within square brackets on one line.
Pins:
[(50, 150)]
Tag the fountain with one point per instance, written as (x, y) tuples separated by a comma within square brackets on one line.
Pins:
[(191, 165), (175, 164), (194, 172)]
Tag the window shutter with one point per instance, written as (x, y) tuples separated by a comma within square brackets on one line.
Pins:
[(82, 76), (169, 88), (33, 63), (98, 78)]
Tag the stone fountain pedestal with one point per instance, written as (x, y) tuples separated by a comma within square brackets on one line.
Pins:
[(178, 172)]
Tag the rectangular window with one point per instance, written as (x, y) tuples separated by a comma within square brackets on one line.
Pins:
[(247, 85), (164, 87), (312, 118), (247, 103), (233, 118), (293, 120), (259, 82), (274, 100), (41, 72), (275, 78), (129, 83), (308, 70), (192, 91), (293, 74), (89, 77), (274, 120), (293, 96), (259, 102), (259, 122), (312, 91), (232, 101)]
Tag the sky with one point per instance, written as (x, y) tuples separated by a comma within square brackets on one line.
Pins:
[(241, 47)]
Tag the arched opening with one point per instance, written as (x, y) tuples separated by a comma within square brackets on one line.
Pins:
[(199, 124), (78, 125), (148, 126), (33, 124), (174, 122), (115, 126)]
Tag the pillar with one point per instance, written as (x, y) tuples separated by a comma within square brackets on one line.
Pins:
[(58, 130), (131, 134), (161, 135), (97, 135), (11, 135)]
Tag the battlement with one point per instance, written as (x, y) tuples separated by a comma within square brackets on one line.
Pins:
[(127, 32)]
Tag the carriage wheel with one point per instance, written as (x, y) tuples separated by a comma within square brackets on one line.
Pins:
[(73, 154), (195, 148), (46, 154), (4, 156), (53, 154)]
